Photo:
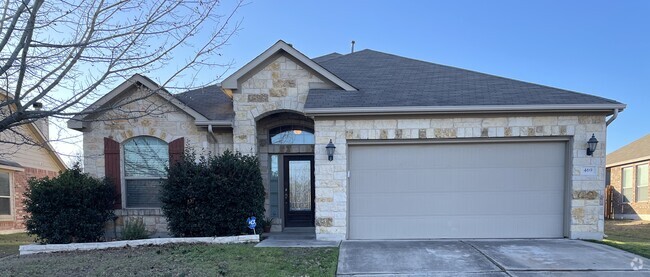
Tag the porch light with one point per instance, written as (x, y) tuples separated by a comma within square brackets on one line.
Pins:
[(591, 145), (330, 150)]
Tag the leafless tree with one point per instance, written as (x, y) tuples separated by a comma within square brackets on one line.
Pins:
[(62, 53)]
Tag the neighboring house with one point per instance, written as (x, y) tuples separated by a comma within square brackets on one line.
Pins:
[(25, 152), (422, 150), (627, 170)]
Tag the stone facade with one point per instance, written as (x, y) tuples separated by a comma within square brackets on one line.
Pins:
[(586, 219), (281, 86), (166, 123), (20, 185), (633, 209), (273, 96)]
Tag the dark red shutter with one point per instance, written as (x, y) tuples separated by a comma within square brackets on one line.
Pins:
[(112, 168), (176, 150)]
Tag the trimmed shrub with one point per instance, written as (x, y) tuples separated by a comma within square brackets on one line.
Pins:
[(134, 229), (212, 196), (72, 207)]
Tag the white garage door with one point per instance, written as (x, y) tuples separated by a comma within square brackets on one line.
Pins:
[(457, 190)]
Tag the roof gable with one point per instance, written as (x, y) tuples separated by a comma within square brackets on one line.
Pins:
[(637, 150), (231, 81), (37, 136), (77, 122)]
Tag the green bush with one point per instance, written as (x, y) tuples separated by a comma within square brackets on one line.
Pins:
[(134, 229), (72, 207), (212, 196)]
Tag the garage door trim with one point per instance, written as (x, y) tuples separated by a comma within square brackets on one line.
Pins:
[(568, 140)]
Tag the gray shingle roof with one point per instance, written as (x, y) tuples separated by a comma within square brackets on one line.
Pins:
[(385, 80), (209, 101), (637, 149)]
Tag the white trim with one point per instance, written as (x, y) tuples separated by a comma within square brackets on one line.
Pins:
[(232, 81), (77, 122), (49, 248), (462, 109)]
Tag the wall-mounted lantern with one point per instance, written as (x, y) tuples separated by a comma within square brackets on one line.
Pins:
[(591, 145), (330, 150)]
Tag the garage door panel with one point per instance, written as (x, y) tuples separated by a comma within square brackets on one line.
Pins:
[(458, 190), (468, 155), (419, 204), (459, 227), (434, 180)]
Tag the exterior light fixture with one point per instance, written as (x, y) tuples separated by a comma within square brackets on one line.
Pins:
[(297, 132), (330, 150), (591, 145)]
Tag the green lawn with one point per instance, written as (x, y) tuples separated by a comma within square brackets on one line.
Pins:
[(9, 243), (629, 235), (179, 260)]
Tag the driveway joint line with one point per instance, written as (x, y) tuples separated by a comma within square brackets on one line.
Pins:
[(503, 269)]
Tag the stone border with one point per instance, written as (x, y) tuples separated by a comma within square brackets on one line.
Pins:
[(50, 248)]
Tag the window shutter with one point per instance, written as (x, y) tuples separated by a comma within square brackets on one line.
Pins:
[(112, 168), (176, 150)]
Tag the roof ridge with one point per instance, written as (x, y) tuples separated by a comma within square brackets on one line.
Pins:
[(334, 58), (488, 74)]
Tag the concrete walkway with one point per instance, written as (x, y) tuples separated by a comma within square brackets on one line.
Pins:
[(295, 237), (534, 258)]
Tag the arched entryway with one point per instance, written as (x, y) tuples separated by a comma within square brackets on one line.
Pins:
[(285, 142)]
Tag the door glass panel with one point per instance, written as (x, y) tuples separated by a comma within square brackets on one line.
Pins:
[(274, 182), (300, 185)]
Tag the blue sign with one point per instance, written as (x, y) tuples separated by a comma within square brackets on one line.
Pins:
[(251, 221)]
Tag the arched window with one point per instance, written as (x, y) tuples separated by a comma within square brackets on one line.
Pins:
[(145, 159), (291, 135)]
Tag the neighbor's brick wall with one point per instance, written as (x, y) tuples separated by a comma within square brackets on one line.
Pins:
[(632, 210), (20, 185), (331, 177), (165, 122)]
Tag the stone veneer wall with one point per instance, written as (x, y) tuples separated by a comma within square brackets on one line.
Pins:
[(586, 220), (20, 185), (166, 123), (282, 85), (633, 209)]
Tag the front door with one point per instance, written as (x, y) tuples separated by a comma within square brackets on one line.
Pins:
[(299, 191)]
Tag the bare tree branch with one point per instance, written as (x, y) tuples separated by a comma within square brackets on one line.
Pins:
[(67, 54)]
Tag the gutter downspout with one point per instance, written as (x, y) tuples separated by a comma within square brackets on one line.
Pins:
[(611, 119), (211, 133)]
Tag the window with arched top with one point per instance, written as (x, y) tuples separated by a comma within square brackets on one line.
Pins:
[(145, 159), (291, 135)]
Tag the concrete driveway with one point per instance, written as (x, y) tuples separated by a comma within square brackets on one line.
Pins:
[(548, 257)]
